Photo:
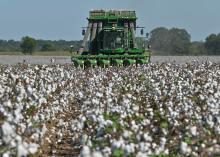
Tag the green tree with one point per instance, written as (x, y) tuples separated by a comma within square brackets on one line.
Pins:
[(179, 41), (47, 47), (159, 39), (170, 42), (197, 48), (28, 45), (212, 44)]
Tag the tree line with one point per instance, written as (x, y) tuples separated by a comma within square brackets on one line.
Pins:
[(163, 41), (177, 41), (28, 45)]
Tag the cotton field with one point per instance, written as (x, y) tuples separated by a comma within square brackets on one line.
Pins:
[(160, 109)]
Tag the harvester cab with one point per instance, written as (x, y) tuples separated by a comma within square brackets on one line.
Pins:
[(110, 40)]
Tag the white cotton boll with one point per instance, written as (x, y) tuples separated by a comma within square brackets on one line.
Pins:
[(101, 120), (62, 74), (98, 94), (19, 98), (135, 128), (133, 122), (139, 137), (35, 136), (158, 150), (22, 150), (126, 101), (27, 80), (82, 119), (22, 91), (18, 115), (61, 122), (43, 130), (42, 117), (42, 100), (146, 122), (147, 137), (18, 139), (8, 132), (136, 108), (89, 143), (163, 141), (97, 154), (80, 95), (123, 115), (141, 154), (203, 145), (36, 97), (184, 149), (144, 147), (110, 84), (127, 150), (166, 152), (210, 121), (132, 148), (13, 143), (217, 95), (129, 96), (217, 129), (84, 139), (29, 90), (109, 100), (193, 130), (36, 68), (6, 154), (80, 125), (33, 147), (8, 103), (116, 144), (126, 134), (202, 97), (87, 102), (108, 123), (154, 145), (95, 101), (92, 118), (106, 151), (85, 152)]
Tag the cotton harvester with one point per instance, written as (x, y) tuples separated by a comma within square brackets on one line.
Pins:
[(109, 40)]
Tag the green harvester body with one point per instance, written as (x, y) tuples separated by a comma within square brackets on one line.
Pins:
[(112, 41)]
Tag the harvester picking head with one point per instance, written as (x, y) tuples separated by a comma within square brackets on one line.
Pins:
[(109, 40)]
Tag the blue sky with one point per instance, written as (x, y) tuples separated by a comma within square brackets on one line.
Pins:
[(63, 19)]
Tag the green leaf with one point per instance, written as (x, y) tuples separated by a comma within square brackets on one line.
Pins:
[(118, 152)]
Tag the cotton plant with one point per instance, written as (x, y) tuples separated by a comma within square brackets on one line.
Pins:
[(151, 110)]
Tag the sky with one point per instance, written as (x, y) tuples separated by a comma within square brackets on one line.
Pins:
[(64, 19)]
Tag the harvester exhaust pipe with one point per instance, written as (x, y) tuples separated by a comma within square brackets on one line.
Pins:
[(88, 30), (133, 34)]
